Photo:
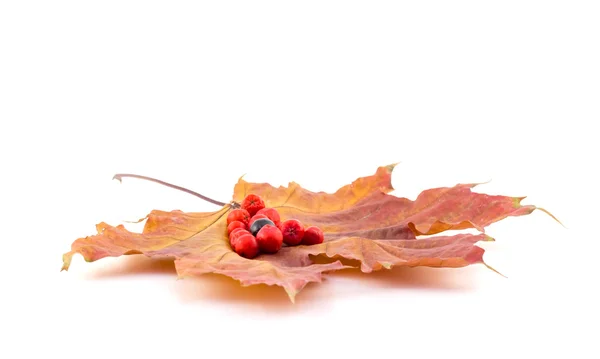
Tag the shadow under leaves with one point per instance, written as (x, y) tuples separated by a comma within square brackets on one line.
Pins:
[(222, 289)]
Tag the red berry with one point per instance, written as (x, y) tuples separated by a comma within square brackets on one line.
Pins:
[(246, 246), (269, 239), (235, 224), (272, 214), (237, 231), (312, 235), (234, 235), (255, 217), (293, 232), (238, 214), (253, 203)]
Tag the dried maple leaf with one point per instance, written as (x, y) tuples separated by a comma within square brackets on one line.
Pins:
[(361, 221)]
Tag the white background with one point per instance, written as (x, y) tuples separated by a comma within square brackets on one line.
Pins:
[(319, 92)]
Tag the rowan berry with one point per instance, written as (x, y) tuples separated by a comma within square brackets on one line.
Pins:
[(246, 246), (312, 235), (258, 224), (238, 214), (235, 234), (235, 224), (269, 239), (253, 203), (272, 214), (293, 231)]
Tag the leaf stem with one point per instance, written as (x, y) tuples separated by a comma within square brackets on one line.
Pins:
[(120, 176)]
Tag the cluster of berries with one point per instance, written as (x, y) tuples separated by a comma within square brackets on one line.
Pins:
[(253, 229)]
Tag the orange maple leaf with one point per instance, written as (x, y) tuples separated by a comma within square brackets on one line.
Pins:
[(361, 221)]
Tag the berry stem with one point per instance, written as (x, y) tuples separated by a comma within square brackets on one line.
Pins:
[(120, 176)]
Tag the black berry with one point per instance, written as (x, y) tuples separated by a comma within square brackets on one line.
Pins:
[(258, 224)]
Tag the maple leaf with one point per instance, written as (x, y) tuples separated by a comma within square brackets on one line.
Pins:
[(361, 222)]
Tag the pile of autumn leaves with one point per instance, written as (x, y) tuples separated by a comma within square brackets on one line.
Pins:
[(255, 229)]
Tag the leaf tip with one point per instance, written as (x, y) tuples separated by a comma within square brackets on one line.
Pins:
[(136, 221), (482, 183), (474, 184), (517, 204), (291, 294), (386, 265), (487, 238), (391, 166), (66, 261), (494, 269), (551, 215), (385, 173), (517, 201)]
